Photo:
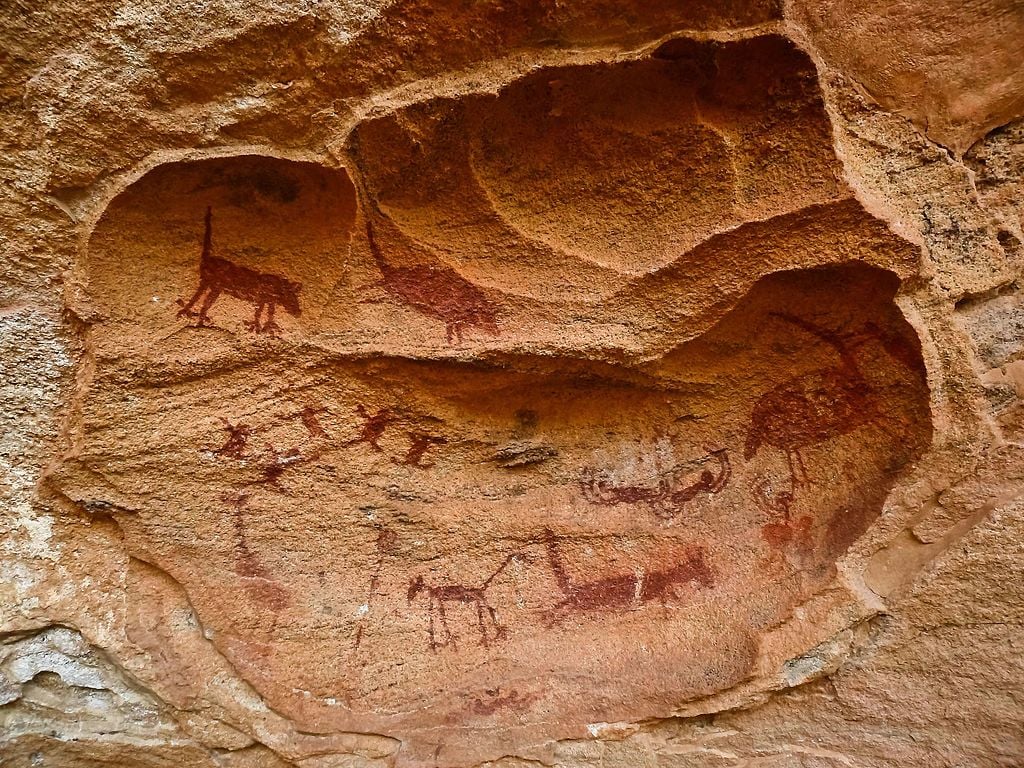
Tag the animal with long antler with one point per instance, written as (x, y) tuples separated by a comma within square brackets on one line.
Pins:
[(218, 275), (818, 405), (439, 595), (628, 590)]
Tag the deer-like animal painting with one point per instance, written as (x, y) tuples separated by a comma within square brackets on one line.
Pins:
[(438, 597), (436, 291), (626, 591), (262, 290)]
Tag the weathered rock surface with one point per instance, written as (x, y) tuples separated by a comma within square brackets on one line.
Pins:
[(420, 384)]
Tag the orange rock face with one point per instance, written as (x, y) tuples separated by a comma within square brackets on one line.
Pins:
[(951, 68), (516, 382)]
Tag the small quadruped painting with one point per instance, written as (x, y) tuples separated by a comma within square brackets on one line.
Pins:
[(244, 247), (218, 276), (432, 547)]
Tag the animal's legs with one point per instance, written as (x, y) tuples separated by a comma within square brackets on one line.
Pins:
[(186, 309), (449, 637), (453, 331), (500, 630), (480, 624), (270, 326), (204, 311), (255, 324), (803, 467), (797, 470), (430, 625)]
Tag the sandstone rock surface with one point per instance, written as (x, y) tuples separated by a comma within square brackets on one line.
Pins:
[(455, 384)]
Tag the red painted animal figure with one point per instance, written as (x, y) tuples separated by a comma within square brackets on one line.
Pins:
[(494, 700), (812, 407), (626, 591), (312, 423), (438, 596), (217, 276), (238, 439), (420, 444), (707, 482), (438, 292), (273, 468)]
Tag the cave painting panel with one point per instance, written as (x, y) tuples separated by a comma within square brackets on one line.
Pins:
[(492, 437), (395, 538)]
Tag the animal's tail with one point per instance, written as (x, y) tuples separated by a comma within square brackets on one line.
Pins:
[(834, 340), (725, 470), (207, 236), (555, 558)]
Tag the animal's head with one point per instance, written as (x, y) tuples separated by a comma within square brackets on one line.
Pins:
[(416, 586), (290, 298), (770, 502), (487, 321)]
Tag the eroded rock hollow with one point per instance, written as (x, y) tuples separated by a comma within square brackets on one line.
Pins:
[(414, 385)]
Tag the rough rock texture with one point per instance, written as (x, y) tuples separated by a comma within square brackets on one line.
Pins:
[(445, 384)]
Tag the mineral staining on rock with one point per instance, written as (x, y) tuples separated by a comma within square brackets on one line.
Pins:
[(614, 169)]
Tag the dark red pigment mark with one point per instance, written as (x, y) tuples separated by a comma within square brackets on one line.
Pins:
[(668, 499), (272, 463), (387, 545), (626, 591), (273, 468), (373, 426), (262, 290), (438, 596), (494, 701), (781, 531), (247, 565), (438, 292), (819, 405), (237, 441), (312, 423), (421, 443)]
